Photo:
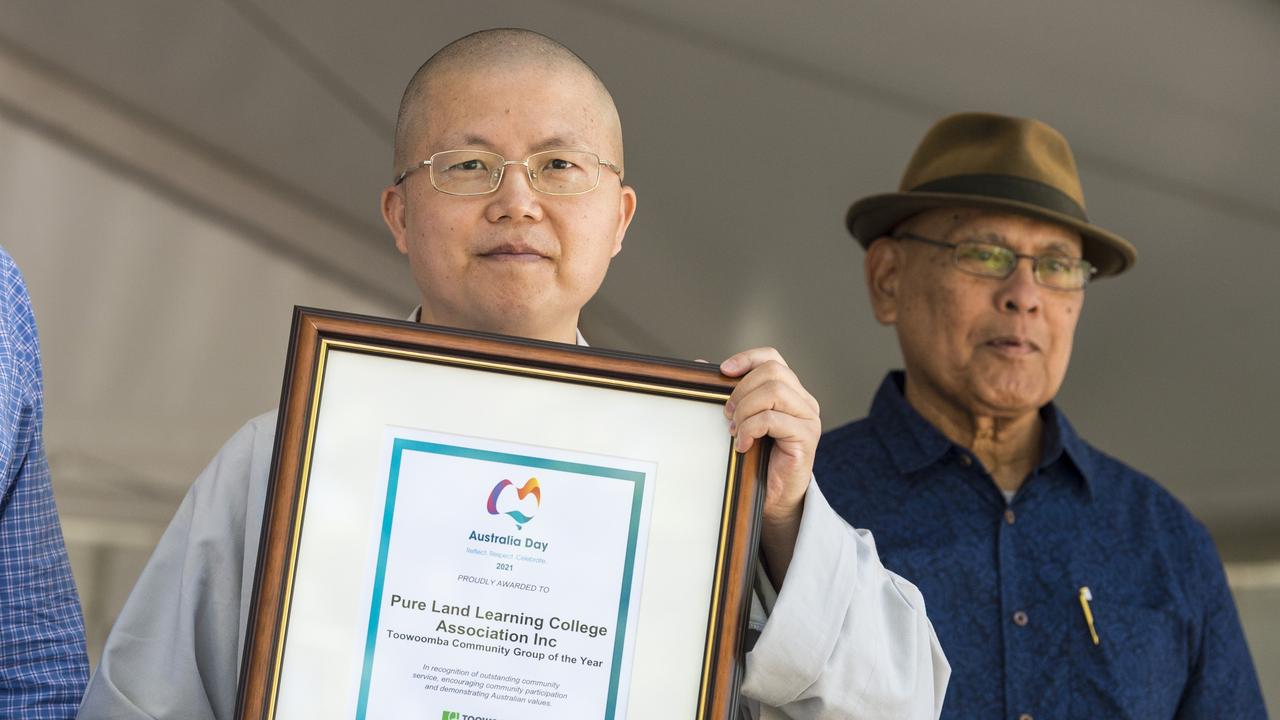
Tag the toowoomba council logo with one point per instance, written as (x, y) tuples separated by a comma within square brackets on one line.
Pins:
[(452, 715), (520, 504)]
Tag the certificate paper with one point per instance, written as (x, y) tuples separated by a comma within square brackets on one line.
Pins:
[(505, 581)]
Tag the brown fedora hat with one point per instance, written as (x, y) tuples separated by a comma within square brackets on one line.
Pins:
[(993, 162)]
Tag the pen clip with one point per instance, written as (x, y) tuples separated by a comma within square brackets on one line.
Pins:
[(1085, 597)]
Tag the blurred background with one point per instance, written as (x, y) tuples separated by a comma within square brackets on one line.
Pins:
[(177, 176)]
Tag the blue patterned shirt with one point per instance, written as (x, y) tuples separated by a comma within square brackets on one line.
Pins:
[(43, 665), (1002, 581)]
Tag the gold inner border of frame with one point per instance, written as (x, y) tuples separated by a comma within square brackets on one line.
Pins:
[(301, 500), (730, 482)]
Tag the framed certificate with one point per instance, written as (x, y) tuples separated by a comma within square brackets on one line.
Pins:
[(462, 525)]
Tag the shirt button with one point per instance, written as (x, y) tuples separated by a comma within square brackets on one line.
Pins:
[(1020, 618), (1025, 716), (965, 460), (1009, 517)]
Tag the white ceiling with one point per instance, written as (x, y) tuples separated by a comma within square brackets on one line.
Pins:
[(789, 111)]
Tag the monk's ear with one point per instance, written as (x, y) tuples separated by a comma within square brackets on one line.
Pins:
[(883, 267), (626, 211), (393, 214)]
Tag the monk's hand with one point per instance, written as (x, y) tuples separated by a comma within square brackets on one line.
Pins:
[(769, 401)]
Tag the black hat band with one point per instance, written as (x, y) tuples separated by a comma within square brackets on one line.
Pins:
[(1008, 187)]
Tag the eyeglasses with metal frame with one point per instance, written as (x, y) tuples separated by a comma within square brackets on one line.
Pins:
[(1059, 272), (561, 171)]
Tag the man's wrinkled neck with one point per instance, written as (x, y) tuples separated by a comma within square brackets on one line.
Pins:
[(1009, 447)]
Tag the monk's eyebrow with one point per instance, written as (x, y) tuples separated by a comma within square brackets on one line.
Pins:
[(547, 143), (553, 142), (470, 139)]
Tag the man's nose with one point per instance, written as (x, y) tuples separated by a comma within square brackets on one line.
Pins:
[(515, 198), (1020, 292)]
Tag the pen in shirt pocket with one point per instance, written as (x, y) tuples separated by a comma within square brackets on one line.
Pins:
[(1085, 597)]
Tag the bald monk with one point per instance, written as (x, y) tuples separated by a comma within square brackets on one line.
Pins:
[(520, 253)]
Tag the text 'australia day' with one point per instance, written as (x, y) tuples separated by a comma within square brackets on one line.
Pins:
[(539, 545)]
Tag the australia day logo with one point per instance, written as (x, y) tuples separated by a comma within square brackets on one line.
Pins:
[(507, 499)]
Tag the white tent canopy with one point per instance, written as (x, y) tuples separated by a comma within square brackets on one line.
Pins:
[(179, 175)]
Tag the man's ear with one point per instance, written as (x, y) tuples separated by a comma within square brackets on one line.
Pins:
[(883, 268), (626, 211), (393, 212)]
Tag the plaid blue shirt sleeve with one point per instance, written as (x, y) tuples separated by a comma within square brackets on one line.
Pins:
[(43, 664)]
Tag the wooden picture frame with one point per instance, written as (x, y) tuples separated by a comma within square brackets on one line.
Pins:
[(361, 394)]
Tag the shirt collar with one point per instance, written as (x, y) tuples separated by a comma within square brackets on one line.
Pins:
[(914, 443), (416, 316), (1060, 437)]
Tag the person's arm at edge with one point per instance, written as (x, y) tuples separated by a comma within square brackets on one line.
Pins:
[(41, 626)]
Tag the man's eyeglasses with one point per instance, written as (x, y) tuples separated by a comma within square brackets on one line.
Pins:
[(1060, 272), (476, 172)]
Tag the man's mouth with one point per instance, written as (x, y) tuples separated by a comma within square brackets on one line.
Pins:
[(514, 251), (1012, 345)]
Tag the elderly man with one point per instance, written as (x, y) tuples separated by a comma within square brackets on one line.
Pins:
[(43, 665), (1062, 583), (497, 241)]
